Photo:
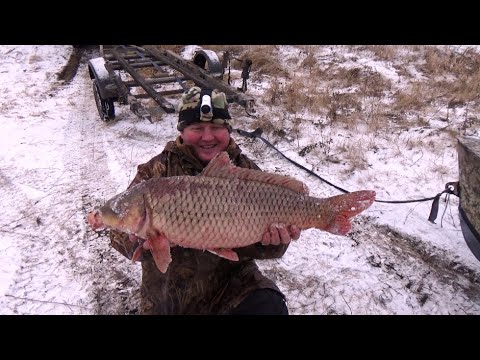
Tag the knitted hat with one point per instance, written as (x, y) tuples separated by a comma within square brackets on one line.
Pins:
[(202, 105)]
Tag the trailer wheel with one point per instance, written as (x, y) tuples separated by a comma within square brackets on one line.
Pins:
[(105, 107)]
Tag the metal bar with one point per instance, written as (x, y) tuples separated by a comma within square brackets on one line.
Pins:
[(139, 57), (199, 75), (162, 80), (166, 92), (132, 60), (126, 97), (169, 108), (126, 56), (141, 52), (118, 66)]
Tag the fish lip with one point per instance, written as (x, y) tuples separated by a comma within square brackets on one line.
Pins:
[(93, 220)]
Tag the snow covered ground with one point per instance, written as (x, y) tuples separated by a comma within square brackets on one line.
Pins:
[(58, 160)]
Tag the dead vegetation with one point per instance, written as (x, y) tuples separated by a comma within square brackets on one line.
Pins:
[(381, 90), (404, 87)]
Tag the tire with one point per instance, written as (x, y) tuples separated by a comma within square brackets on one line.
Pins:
[(106, 108)]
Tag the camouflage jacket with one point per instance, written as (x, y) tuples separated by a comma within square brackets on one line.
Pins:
[(196, 282)]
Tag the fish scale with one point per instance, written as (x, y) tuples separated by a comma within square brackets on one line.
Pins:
[(218, 202), (223, 208)]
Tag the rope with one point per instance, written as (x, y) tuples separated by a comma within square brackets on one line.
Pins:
[(450, 188)]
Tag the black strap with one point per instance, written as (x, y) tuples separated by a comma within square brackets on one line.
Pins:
[(468, 223), (205, 91), (450, 188), (193, 115), (257, 134), (434, 209)]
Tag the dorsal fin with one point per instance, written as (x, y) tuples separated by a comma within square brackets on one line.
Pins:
[(221, 167)]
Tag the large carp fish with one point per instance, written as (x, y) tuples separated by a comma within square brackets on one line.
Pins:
[(223, 208)]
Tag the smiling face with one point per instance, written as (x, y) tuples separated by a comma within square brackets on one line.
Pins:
[(206, 139)]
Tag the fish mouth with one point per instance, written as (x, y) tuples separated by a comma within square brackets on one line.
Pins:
[(94, 219)]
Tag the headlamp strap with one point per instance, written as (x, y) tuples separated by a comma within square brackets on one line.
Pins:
[(205, 92)]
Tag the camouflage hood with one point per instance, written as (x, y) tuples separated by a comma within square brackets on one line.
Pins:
[(203, 105)]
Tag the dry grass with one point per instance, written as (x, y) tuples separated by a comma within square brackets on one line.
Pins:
[(175, 48), (34, 58), (337, 90), (265, 123), (309, 62), (354, 154), (298, 95), (235, 50), (274, 93), (452, 134), (440, 169), (384, 52), (439, 62), (295, 99), (413, 142), (364, 82), (264, 57), (431, 80), (375, 118), (343, 106), (265, 60), (404, 87), (411, 99)]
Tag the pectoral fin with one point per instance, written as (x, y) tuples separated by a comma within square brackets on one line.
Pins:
[(138, 252), (225, 253), (340, 225), (160, 249)]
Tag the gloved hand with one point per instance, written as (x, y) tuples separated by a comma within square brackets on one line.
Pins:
[(280, 234)]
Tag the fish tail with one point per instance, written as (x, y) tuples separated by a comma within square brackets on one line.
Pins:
[(345, 207)]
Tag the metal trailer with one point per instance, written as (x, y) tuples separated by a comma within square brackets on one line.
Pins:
[(121, 69)]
